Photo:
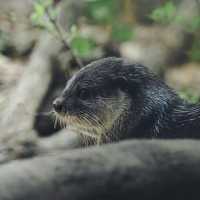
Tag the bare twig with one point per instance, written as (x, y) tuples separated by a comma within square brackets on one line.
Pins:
[(61, 34)]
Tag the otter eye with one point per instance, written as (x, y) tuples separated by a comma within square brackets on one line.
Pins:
[(84, 94)]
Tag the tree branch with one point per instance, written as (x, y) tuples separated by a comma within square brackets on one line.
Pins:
[(61, 34)]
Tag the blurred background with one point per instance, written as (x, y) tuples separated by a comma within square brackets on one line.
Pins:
[(42, 43)]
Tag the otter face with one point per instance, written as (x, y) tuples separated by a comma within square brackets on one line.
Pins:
[(91, 102)]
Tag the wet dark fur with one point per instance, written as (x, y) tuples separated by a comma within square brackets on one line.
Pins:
[(154, 110)]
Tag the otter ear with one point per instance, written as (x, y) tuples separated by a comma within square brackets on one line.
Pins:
[(128, 76), (121, 82), (127, 81)]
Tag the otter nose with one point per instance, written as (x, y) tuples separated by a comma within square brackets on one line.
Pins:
[(58, 105)]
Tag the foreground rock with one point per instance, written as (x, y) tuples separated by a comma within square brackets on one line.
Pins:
[(142, 170)]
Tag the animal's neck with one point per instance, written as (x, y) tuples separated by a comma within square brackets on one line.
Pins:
[(174, 120), (185, 121), (166, 118), (120, 124)]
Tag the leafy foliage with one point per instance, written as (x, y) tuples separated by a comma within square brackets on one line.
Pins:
[(165, 13), (102, 11), (39, 17), (107, 13), (122, 32), (189, 95), (194, 53), (195, 24), (81, 45), (45, 16), (98, 12)]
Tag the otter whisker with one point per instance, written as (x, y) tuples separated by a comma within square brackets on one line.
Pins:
[(99, 126), (94, 117), (89, 135), (83, 122), (61, 122), (66, 120), (87, 120), (55, 121)]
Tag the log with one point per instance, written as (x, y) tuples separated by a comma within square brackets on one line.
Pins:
[(23, 103), (33, 84), (136, 169), (18, 139)]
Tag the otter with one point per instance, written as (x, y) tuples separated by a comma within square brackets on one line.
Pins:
[(112, 99)]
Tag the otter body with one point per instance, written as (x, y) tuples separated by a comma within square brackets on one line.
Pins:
[(111, 99)]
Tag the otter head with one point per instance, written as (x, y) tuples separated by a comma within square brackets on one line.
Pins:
[(110, 96), (93, 101)]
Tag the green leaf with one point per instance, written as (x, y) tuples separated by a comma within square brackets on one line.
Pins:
[(194, 53), (47, 3), (169, 10), (157, 15), (122, 32), (195, 23), (81, 46), (189, 95), (179, 20), (44, 3), (102, 11), (39, 9), (39, 17), (34, 18), (164, 14), (54, 12)]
